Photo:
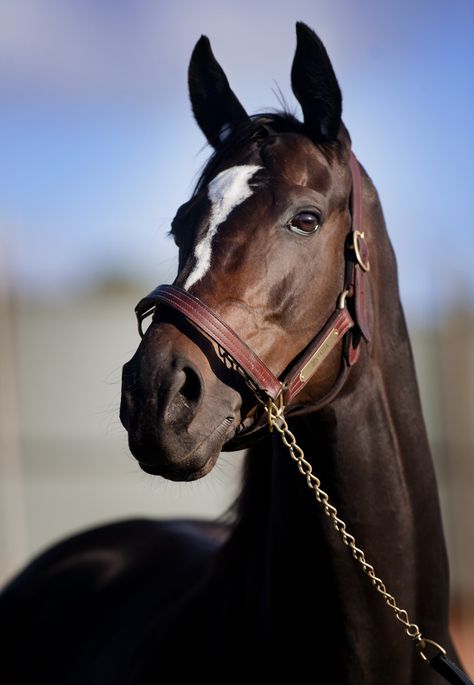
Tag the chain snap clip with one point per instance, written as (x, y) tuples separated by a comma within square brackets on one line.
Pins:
[(422, 644)]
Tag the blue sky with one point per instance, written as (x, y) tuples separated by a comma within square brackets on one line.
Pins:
[(98, 146)]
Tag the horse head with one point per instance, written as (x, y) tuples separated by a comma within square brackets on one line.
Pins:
[(262, 243)]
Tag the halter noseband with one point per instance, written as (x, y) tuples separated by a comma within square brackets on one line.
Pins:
[(342, 325)]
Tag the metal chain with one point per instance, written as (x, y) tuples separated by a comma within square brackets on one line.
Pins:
[(277, 421)]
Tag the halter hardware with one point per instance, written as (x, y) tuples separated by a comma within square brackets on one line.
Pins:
[(361, 253), (319, 355)]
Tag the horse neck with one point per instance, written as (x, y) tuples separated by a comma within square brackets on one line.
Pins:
[(371, 452)]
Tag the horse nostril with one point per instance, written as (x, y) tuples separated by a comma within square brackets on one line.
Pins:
[(191, 388), (183, 401)]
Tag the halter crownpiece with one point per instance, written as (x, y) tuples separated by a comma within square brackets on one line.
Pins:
[(341, 326)]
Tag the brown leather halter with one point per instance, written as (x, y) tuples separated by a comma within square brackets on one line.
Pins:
[(348, 323)]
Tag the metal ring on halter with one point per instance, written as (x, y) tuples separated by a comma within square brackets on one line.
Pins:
[(141, 318), (341, 303), (365, 266)]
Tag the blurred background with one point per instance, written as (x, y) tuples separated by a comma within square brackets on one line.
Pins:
[(97, 150)]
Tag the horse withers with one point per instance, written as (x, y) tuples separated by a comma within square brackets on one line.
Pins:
[(274, 244)]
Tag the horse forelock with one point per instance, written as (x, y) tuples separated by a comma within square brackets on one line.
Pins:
[(245, 142)]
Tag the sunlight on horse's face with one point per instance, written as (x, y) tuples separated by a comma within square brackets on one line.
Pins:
[(254, 242), (261, 266)]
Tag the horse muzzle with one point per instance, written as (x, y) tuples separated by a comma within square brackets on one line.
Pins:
[(178, 413)]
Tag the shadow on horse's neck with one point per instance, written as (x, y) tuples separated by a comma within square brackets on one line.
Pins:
[(369, 448)]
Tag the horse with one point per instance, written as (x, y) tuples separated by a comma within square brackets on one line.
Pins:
[(286, 271)]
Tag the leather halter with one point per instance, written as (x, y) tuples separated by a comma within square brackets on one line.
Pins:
[(348, 323)]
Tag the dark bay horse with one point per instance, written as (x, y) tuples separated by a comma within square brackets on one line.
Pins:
[(263, 243)]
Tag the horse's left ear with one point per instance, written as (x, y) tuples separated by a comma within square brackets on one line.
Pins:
[(214, 104), (315, 85)]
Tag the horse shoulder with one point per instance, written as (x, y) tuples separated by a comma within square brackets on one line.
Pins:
[(99, 591)]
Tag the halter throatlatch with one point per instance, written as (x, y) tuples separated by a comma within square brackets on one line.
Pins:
[(342, 325)]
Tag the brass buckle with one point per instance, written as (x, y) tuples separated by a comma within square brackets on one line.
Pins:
[(365, 266)]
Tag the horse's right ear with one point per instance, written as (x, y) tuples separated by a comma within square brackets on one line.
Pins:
[(215, 106), (315, 85)]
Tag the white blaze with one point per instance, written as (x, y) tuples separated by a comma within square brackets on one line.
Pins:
[(226, 191)]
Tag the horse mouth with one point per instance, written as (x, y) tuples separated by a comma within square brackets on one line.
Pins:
[(180, 474), (198, 462)]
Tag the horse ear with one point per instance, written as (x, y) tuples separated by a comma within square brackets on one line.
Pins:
[(315, 86), (214, 104)]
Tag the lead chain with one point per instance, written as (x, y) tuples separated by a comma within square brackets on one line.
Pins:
[(277, 421)]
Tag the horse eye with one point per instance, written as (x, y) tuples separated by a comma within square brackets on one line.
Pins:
[(304, 223)]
